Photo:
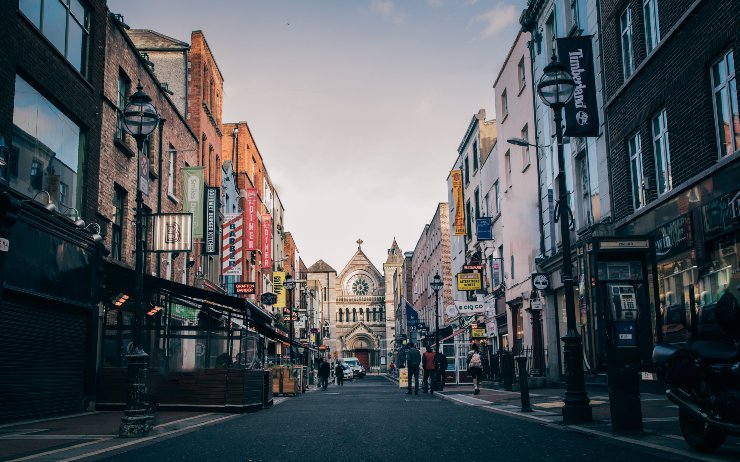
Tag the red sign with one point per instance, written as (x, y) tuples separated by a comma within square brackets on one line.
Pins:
[(247, 288), (251, 227), (266, 241), (473, 267)]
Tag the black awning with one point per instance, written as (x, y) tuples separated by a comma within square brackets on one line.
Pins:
[(260, 315)]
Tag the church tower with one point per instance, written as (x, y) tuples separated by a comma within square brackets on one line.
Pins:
[(393, 270)]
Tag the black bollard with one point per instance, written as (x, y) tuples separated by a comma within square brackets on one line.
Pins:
[(523, 383), (507, 360)]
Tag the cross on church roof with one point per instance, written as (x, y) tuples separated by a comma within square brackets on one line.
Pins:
[(359, 244)]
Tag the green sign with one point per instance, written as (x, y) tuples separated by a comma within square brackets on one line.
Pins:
[(192, 200), (184, 312)]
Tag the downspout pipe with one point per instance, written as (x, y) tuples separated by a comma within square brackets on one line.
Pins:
[(159, 188)]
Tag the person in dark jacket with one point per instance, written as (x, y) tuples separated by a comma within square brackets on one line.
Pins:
[(440, 365), (324, 372), (413, 360), (339, 373)]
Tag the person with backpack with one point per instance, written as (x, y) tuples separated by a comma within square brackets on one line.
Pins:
[(413, 360), (475, 366)]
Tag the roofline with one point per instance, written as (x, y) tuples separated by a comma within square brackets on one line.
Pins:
[(183, 45), (506, 61), (209, 51)]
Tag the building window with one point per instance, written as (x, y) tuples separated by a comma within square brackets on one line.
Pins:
[(525, 149), (340, 315), (512, 267), (65, 23), (467, 220), (467, 171), (124, 86), (625, 21), (507, 164), (652, 26), (634, 146), (354, 314), (727, 120), (475, 155), (63, 193), (171, 180), (497, 196), (504, 105), (522, 73), (49, 145), (476, 196), (119, 206), (662, 153)]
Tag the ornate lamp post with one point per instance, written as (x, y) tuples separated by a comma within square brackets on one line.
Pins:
[(556, 89), (436, 285), (289, 284), (140, 118)]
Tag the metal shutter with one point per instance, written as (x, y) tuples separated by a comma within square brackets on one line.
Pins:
[(42, 360)]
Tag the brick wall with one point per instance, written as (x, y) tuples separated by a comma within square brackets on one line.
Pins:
[(675, 77)]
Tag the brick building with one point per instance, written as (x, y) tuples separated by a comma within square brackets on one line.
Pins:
[(674, 140)]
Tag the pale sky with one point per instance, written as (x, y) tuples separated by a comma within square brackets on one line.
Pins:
[(357, 106)]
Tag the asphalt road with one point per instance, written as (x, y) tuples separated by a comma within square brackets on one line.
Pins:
[(373, 420)]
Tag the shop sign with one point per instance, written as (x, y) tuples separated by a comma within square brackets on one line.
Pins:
[(540, 281), (211, 220), (497, 265), (244, 288), (469, 281), (403, 377), (172, 232), (192, 202), (266, 240), (467, 308), (457, 195), (721, 215), (268, 298), (473, 267), (231, 244), (252, 222), (278, 279), (484, 229), (674, 238), (478, 332)]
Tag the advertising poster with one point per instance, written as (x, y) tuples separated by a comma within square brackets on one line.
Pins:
[(457, 195), (192, 200), (581, 112)]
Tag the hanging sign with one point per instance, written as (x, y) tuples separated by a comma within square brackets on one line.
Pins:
[(173, 232), (252, 220), (278, 279), (457, 196), (211, 221), (192, 201), (581, 112), (540, 281), (143, 174), (468, 308), (412, 318), (231, 245), (266, 241), (479, 331), (484, 229), (497, 265), (244, 288), (469, 281), (268, 298)]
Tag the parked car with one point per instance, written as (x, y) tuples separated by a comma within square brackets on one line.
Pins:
[(357, 368), (348, 373)]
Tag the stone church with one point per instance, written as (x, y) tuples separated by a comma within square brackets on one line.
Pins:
[(359, 307)]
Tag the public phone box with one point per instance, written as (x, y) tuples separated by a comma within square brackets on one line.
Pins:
[(625, 314)]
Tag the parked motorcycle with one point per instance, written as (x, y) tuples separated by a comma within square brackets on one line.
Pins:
[(704, 378)]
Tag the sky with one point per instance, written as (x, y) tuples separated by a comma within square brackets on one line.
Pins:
[(357, 106)]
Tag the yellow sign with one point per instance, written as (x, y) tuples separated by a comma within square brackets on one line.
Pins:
[(403, 377), (479, 332), (457, 195), (469, 281), (278, 279)]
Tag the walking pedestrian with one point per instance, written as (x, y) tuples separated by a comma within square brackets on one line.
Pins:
[(413, 360), (427, 361), (475, 367), (440, 364), (339, 373), (324, 372)]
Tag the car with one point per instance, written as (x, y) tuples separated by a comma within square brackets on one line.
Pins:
[(357, 368), (348, 374)]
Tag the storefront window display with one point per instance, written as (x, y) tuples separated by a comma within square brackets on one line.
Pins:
[(677, 277)]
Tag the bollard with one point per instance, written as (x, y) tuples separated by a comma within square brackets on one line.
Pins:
[(523, 383), (507, 360)]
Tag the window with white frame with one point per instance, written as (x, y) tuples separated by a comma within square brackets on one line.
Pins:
[(634, 147), (525, 149), (475, 155), (504, 105), (522, 72), (726, 117), (652, 24), (664, 181), (625, 21), (124, 85)]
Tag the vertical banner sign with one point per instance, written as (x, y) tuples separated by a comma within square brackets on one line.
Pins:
[(412, 318), (252, 225), (581, 112), (266, 240), (457, 196), (278, 279), (211, 219), (231, 244), (144, 173), (173, 232), (497, 265), (192, 201)]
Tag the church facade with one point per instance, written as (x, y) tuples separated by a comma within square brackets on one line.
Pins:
[(360, 312)]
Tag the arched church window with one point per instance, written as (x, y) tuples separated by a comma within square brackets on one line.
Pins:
[(340, 315), (382, 313), (362, 314), (346, 314), (354, 314), (375, 314)]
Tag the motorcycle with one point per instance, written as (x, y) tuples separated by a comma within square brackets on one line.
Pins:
[(703, 376)]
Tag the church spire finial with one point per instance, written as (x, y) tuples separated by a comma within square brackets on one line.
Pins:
[(359, 244)]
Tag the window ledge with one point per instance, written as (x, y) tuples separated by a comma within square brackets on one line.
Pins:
[(521, 90), (173, 198), (123, 148), (526, 167)]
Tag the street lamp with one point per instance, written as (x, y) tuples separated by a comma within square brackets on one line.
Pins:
[(556, 89), (289, 284), (436, 285), (140, 118)]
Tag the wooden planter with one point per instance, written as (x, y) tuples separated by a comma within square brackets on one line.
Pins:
[(229, 390)]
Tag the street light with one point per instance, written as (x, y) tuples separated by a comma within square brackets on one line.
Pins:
[(556, 89), (436, 285), (289, 284), (140, 118)]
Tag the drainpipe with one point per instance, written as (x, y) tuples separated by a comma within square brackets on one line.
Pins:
[(159, 188)]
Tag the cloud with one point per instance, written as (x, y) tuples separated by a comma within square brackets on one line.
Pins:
[(434, 3), (497, 19), (383, 7)]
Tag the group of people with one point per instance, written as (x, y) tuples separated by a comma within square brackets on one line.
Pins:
[(434, 366), (324, 371)]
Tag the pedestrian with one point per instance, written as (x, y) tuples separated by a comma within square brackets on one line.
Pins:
[(413, 360), (427, 361), (440, 364), (339, 373), (475, 366), (391, 368), (324, 372)]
